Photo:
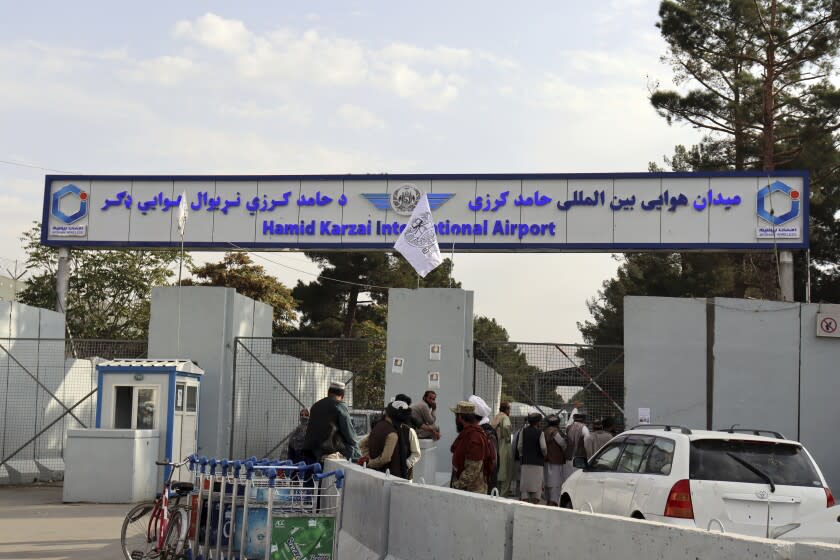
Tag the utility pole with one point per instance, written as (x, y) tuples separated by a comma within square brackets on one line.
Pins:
[(786, 274), (62, 279)]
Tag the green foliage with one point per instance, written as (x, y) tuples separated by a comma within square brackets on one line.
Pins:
[(493, 347), (109, 291), (334, 304), (237, 270), (753, 75)]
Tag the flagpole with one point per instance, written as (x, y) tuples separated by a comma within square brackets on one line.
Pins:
[(451, 264), (182, 227)]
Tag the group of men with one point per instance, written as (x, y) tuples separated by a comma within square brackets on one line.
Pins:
[(483, 453), (546, 455)]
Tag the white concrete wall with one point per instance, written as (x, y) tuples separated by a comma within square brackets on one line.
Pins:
[(211, 318), (435, 522), (770, 370), (414, 521), (665, 340), (34, 337), (416, 319)]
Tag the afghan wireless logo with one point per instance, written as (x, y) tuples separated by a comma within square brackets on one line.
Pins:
[(69, 192), (765, 208)]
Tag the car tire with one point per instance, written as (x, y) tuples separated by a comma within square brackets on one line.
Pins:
[(566, 502)]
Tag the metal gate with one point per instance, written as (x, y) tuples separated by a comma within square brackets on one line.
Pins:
[(273, 378), (48, 386), (554, 377)]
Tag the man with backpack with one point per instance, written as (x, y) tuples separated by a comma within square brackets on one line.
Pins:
[(473, 456)]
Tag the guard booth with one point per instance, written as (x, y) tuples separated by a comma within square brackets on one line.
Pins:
[(147, 410), (160, 395)]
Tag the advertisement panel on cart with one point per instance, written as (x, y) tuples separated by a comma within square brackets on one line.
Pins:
[(507, 212)]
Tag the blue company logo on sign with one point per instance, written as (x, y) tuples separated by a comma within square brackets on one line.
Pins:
[(70, 190), (765, 208)]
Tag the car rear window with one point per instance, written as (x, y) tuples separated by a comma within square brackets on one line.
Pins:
[(785, 464)]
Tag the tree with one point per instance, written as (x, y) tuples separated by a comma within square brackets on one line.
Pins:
[(237, 270), (333, 304), (757, 76), (109, 291), (493, 347)]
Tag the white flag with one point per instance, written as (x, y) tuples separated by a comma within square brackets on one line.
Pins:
[(418, 242), (182, 214)]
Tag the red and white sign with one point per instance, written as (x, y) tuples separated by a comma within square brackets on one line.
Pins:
[(828, 324)]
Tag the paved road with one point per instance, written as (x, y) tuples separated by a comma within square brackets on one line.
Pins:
[(35, 524)]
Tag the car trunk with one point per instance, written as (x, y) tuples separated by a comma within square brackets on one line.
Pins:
[(751, 487), (750, 509)]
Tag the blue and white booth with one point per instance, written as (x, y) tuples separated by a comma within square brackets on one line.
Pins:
[(146, 410), (159, 395)]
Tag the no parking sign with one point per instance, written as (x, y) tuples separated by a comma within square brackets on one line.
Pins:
[(828, 324)]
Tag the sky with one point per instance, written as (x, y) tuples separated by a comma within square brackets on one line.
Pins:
[(340, 87)]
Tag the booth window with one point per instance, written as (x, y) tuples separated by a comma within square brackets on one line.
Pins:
[(134, 407), (192, 398)]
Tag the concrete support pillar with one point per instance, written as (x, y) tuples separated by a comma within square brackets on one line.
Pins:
[(62, 279), (786, 275)]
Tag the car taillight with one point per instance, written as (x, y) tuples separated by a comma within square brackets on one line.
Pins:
[(679, 501), (829, 497)]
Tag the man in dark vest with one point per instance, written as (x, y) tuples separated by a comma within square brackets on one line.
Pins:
[(554, 460), (576, 435), (387, 445), (532, 451), (330, 433)]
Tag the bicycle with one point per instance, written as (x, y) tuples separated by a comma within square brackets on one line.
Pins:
[(151, 530)]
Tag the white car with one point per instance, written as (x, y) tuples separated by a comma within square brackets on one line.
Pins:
[(717, 480)]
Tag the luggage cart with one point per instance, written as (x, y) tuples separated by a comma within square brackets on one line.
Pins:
[(264, 510)]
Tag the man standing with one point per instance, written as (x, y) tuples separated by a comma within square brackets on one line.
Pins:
[(330, 432), (472, 452), (425, 416), (554, 460), (483, 411), (294, 451), (503, 430), (597, 439), (576, 435), (387, 445), (532, 451)]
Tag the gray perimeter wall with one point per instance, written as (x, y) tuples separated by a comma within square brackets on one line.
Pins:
[(211, 318), (761, 361), (417, 319)]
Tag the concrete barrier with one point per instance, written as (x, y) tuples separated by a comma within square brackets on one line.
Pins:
[(540, 532), (365, 511), (802, 551), (435, 522)]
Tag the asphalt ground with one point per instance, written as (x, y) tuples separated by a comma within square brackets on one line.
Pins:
[(34, 523)]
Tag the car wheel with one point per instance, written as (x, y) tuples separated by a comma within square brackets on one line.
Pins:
[(566, 502), (637, 515)]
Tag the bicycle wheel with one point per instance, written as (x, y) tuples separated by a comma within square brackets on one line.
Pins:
[(175, 538), (138, 537)]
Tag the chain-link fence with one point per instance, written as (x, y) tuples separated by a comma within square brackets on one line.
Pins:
[(276, 377), (554, 378), (48, 386)]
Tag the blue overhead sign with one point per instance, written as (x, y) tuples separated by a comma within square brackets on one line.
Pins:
[(527, 212)]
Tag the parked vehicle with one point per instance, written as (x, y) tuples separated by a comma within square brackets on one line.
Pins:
[(363, 420), (716, 480)]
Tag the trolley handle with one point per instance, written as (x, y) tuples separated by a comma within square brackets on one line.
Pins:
[(338, 474), (225, 464), (249, 469), (237, 468), (213, 462), (203, 462)]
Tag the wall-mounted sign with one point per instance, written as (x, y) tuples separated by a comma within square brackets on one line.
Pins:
[(828, 324), (531, 212)]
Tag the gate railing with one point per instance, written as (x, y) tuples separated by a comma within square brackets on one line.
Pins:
[(48, 386), (273, 378), (555, 377)]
